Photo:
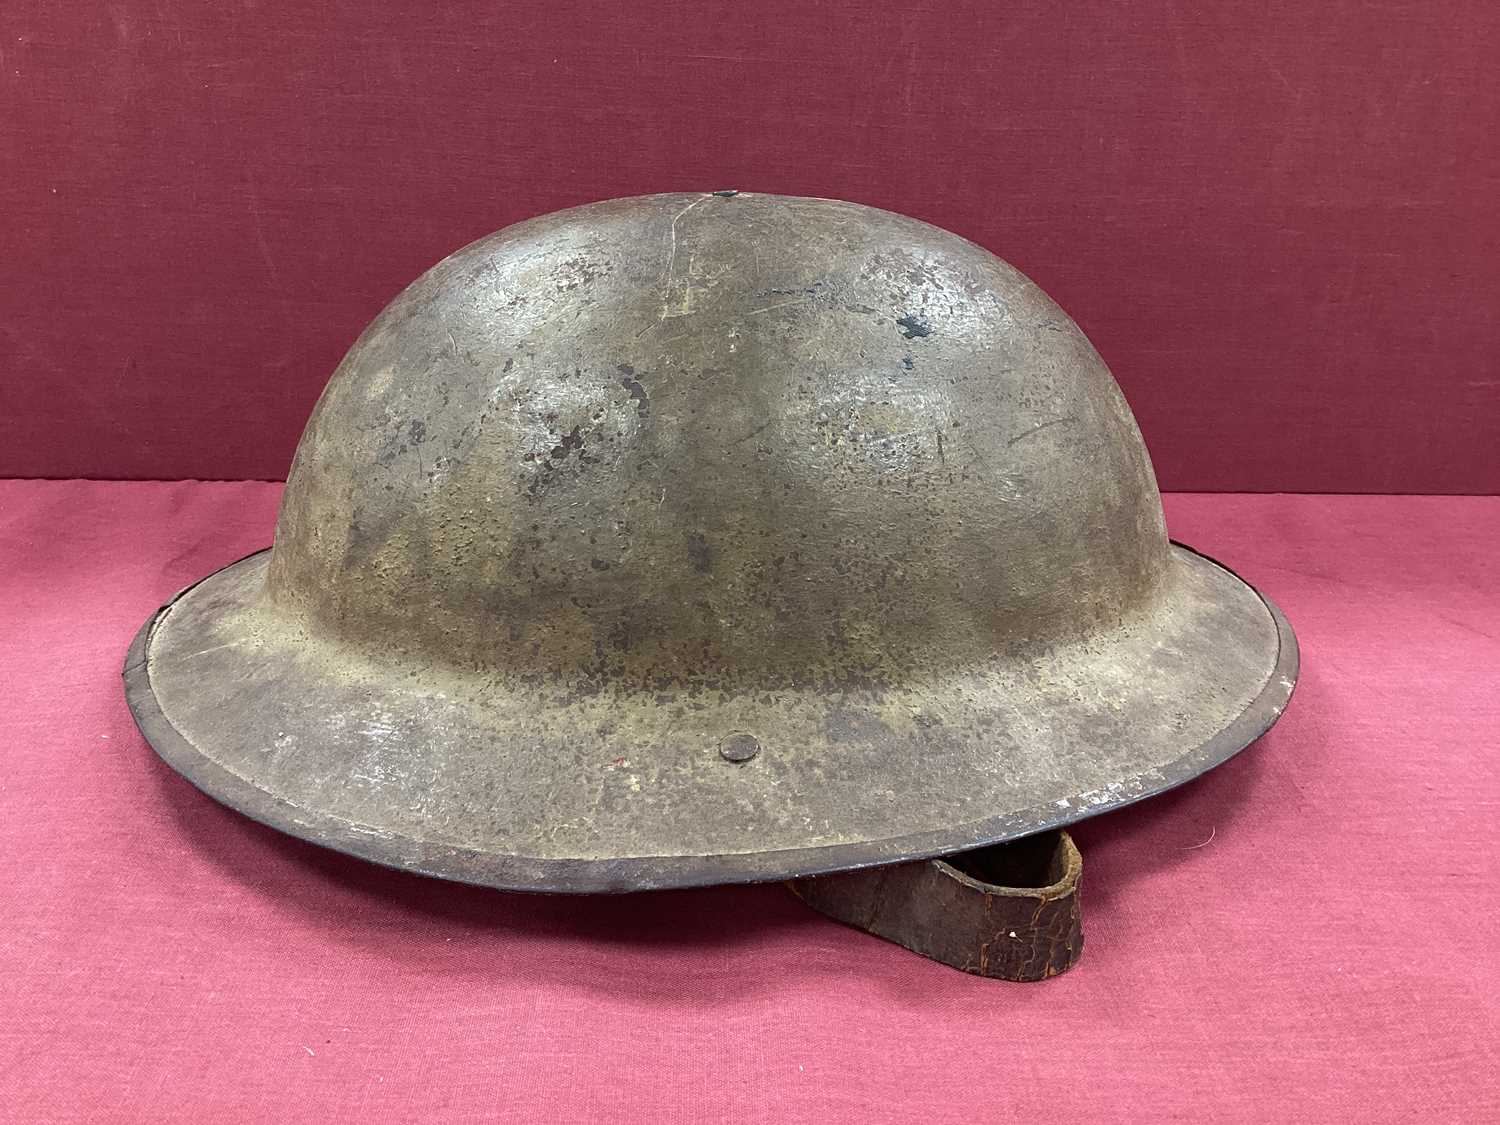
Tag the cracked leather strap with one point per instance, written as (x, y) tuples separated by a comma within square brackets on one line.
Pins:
[(1009, 912)]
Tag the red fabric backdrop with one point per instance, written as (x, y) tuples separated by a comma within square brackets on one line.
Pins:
[(1277, 221)]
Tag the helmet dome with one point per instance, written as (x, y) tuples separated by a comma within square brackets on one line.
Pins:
[(693, 436)]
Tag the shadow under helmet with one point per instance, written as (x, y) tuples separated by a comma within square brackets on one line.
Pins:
[(709, 538)]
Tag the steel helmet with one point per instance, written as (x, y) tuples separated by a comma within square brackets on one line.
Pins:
[(708, 538)]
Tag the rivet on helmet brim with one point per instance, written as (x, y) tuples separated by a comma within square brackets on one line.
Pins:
[(739, 748)]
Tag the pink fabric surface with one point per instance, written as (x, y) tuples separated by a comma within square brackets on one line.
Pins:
[(1308, 933)]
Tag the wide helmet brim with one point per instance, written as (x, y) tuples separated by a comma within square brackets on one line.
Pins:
[(534, 785)]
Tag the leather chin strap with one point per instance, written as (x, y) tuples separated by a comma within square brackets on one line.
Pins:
[(1009, 912)]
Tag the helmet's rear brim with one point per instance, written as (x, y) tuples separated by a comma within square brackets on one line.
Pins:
[(525, 783)]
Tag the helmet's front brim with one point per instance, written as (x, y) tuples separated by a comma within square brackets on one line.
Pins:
[(527, 784)]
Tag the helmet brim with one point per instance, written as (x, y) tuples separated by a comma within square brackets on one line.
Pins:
[(528, 784)]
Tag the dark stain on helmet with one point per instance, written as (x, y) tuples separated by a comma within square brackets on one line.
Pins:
[(846, 723), (913, 325), (701, 554), (637, 391), (567, 444)]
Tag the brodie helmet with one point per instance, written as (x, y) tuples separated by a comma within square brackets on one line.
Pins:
[(709, 538)]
